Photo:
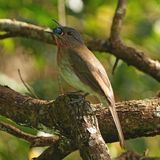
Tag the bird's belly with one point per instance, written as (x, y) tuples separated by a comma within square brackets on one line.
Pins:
[(70, 77)]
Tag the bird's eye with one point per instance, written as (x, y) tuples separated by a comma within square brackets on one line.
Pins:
[(58, 31)]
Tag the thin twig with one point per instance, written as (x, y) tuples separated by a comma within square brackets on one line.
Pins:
[(36, 141), (26, 85), (115, 65), (62, 12), (116, 26), (7, 35), (117, 20)]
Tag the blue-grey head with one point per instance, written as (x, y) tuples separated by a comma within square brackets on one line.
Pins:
[(66, 35)]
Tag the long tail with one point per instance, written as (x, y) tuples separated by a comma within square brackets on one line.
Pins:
[(114, 114)]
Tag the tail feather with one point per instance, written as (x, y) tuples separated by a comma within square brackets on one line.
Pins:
[(114, 114)]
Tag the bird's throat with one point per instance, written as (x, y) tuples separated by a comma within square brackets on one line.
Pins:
[(61, 44)]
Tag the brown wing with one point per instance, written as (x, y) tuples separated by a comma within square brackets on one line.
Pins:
[(88, 68)]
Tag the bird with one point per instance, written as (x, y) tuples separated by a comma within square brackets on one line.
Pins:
[(81, 69)]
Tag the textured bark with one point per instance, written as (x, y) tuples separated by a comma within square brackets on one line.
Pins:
[(134, 156), (70, 114), (76, 114), (35, 141), (138, 117)]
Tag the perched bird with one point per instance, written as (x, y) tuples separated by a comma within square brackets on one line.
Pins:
[(81, 69)]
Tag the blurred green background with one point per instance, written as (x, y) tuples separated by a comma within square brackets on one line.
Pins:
[(37, 60)]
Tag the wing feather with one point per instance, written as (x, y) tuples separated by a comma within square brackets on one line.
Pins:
[(88, 68)]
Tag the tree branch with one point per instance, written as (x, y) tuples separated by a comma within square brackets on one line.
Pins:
[(22, 29), (117, 20), (82, 133), (134, 156), (7, 35), (128, 54), (36, 141), (116, 27), (80, 125), (138, 117)]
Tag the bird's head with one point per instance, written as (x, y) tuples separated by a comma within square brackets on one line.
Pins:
[(67, 37)]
